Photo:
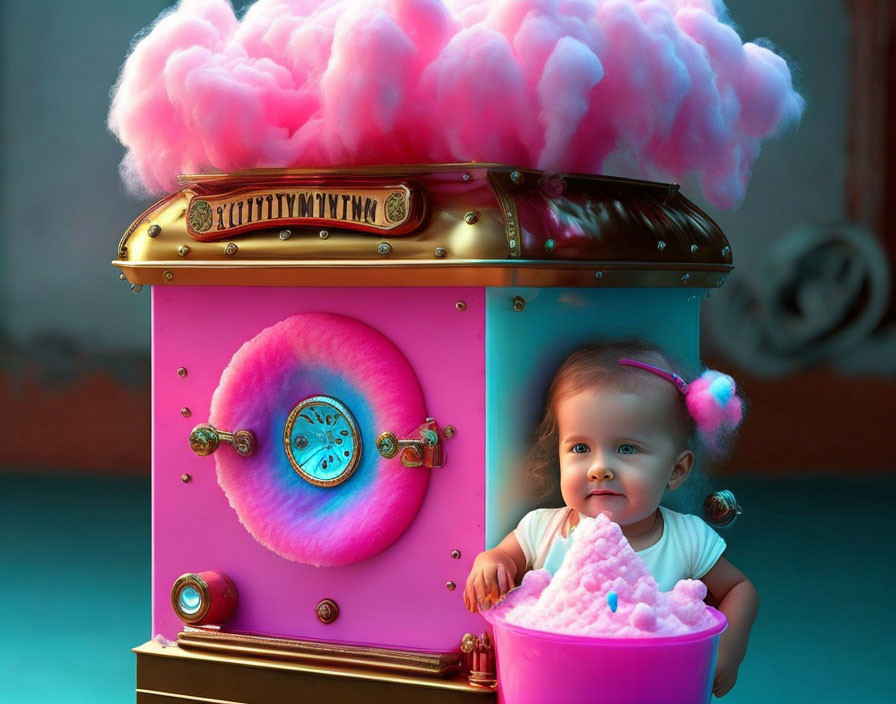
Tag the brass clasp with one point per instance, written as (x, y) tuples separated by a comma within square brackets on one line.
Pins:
[(427, 450), (205, 438)]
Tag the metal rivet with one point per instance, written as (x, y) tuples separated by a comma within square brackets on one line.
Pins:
[(136, 288), (231, 249), (598, 274), (694, 249), (451, 586), (471, 218), (121, 277), (169, 275), (186, 478), (455, 554), (327, 611), (466, 177), (519, 303), (517, 177), (549, 245), (726, 250), (661, 245), (181, 371), (324, 234), (460, 305), (285, 234), (383, 248), (450, 431), (154, 230), (684, 279), (440, 252), (183, 250), (186, 412)]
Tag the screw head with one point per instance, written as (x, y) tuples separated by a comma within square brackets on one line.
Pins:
[(685, 279), (440, 252), (169, 275), (726, 250), (450, 431), (181, 371), (471, 218), (694, 249), (661, 245), (384, 248), (324, 234), (451, 586), (154, 230), (285, 234), (186, 478), (186, 412), (519, 303), (460, 305), (455, 554), (598, 274), (466, 177), (231, 249), (183, 250), (121, 277), (517, 177)]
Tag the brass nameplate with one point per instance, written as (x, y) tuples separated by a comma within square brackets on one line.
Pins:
[(387, 209)]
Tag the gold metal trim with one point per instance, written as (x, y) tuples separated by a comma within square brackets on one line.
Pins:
[(191, 580), (446, 272), (508, 210), (355, 434), (431, 664)]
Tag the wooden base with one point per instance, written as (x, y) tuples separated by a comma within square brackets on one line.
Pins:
[(172, 675)]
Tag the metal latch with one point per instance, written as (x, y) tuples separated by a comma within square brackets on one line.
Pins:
[(425, 450), (205, 438)]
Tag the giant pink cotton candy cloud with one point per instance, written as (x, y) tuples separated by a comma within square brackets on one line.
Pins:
[(560, 85)]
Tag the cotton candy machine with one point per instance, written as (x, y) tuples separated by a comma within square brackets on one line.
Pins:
[(346, 366)]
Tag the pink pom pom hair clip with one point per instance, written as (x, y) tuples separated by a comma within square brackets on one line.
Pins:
[(711, 398), (713, 403)]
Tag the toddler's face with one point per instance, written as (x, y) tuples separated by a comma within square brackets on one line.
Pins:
[(617, 452)]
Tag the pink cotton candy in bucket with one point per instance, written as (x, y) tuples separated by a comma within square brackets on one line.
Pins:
[(537, 667), (601, 630)]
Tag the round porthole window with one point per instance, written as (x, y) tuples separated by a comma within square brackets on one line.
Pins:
[(322, 441)]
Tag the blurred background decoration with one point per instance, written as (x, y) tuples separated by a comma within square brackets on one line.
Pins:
[(806, 323)]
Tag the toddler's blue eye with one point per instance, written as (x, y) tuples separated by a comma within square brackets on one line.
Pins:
[(579, 448), (627, 450)]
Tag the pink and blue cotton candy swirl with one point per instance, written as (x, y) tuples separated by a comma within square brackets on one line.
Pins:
[(308, 355)]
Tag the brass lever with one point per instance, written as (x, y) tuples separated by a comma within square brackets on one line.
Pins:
[(425, 450), (205, 438)]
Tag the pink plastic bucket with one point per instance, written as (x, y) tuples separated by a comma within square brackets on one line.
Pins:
[(536, 667)]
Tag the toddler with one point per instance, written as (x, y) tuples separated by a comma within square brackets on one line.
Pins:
[(621, 427)]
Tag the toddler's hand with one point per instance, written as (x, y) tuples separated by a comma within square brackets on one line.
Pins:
[(726, 675), (491, 577)]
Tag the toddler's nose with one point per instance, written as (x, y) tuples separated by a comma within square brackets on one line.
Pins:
[(600, 472)]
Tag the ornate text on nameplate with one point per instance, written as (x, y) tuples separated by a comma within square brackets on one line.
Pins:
[(386, 209)]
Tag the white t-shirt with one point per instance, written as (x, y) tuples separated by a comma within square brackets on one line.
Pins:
[(687, 549)]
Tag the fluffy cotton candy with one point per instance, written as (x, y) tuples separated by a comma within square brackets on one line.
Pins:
[(577, 601), (561, 85)]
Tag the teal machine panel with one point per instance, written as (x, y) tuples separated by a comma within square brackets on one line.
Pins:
[(525, 347)]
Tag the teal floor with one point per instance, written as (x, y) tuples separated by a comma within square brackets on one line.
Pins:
[(75, 566)]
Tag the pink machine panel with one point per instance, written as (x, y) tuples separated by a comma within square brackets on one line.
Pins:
[(398, 598)]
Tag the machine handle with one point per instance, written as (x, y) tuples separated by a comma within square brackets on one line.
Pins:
[(205, 438), (425, 450)]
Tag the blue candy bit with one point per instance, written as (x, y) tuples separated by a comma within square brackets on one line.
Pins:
[(613, 601)]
